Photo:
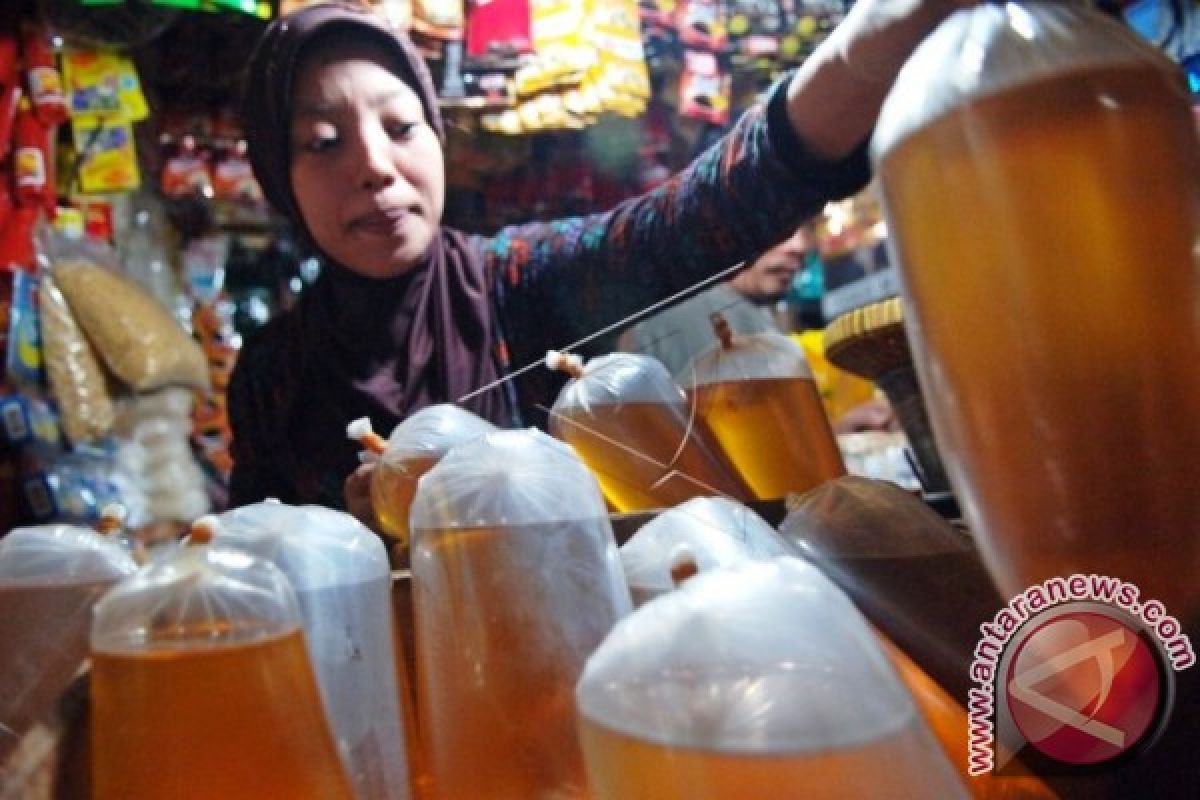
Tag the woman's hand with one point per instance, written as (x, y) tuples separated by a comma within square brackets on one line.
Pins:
[(835, 96), (357, 494)]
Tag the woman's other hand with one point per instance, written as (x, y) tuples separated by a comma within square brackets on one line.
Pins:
[(835, 96), (357, 494)]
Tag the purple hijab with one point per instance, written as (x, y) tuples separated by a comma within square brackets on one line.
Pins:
[(381, 348)]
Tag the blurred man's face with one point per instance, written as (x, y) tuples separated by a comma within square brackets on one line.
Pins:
[(769, 277)]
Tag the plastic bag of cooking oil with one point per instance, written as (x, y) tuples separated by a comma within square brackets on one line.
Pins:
[(205, 647), (756, 396), (759, 679), (916, 577), (339, 571), (516, 578), (709, 531), (631, 424), (132, 332), (50, 575), (413, 447)]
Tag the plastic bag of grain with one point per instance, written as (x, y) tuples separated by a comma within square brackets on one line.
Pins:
[(134, 334), (76, 377)]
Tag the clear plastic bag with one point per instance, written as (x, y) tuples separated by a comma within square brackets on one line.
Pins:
[(136, 336), (194, 657), (413, 447), (78, 381), (1041, 178), (711, 531), (738, 684), (756, 396), (915, 576), (50, 575), (339, 571), (516, 579), (630, 422)]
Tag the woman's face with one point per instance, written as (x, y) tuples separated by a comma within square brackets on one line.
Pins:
[(366, 167)]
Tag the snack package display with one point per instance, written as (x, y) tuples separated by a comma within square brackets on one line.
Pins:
[(135, 335), (194, 657), (712, 531), (632, 426), (50, 575), (516, 579), (413, 448), (735, 686), (756, 395), (339, 571), (79, 383)]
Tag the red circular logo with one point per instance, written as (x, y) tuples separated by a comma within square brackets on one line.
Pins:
[(1084, 687)]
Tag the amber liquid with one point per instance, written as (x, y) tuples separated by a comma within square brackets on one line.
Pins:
[(501, 642), (230, 722), (774, 431), (634, 451), (1047, 238), (393, 487), (948, 722), (896, 766), (43, 643)]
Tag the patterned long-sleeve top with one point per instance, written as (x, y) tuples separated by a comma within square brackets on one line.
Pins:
[(553, 283)]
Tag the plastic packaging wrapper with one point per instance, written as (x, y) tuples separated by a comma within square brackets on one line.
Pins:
[(204, 647), (756, 396), (135, 335), (50, 575), (738, 682), (413, 447), (631, 424), (152, 431), (916, 577), (714, 531), (339, 571), (1030, 382), (76, 378), (516, 579)]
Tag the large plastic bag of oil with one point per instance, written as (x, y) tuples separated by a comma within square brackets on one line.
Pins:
[(516, 579), (339, 571), (758, 679), (50, 575), (709, 531), (1041, 178), (202, 685), (132, 332), (413, 447), (756, 397), (77, 379), (916, 577), (631, 424)]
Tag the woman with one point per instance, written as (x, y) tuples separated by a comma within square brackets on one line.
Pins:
[(346, 139)]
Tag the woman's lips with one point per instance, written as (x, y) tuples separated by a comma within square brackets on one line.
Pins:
[(387, 222)]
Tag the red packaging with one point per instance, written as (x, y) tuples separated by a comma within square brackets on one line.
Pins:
[(8, 58), (10, 101), (33, 164), (16, 240), (6, 198), (42, 78), (498, 27)]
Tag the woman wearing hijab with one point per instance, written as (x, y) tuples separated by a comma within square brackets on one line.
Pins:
[(346, 139)]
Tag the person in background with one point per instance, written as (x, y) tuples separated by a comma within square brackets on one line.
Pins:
[(345, 137), (684, 331)]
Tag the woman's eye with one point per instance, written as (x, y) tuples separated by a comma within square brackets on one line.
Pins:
[(319, 144), (400, 130)]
